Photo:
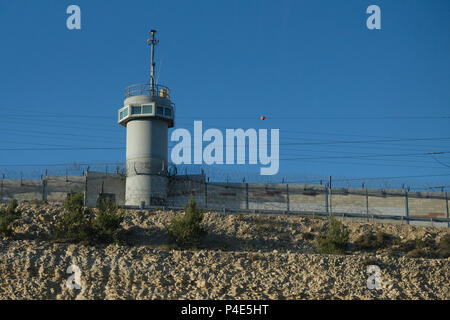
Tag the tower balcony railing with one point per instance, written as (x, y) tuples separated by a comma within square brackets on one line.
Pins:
[(145, 89)]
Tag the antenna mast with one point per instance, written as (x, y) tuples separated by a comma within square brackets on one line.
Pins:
[(152, 42)]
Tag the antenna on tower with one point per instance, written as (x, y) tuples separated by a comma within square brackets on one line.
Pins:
[(152, 42)]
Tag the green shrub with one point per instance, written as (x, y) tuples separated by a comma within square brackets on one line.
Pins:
[(444, 246), (372, 241), (79, 224), (425, 243), (407, 245), (335, 239), (187, 229), (75, 224), (7, 217), (106, 224)]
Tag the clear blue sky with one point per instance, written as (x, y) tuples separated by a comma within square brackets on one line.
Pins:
[(349, 102)]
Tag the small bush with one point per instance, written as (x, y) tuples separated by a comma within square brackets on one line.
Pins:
[(75, 224), (372, 241), (187, 229), (106, 224), (79, 224), (407, 246), (335, 239), (444, 246), (7, 218), (427, 243)]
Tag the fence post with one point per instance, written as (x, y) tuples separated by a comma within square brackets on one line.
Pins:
[(246, 196), (406, 207), (367, 204), (44, 189), (331, 208), (287, 198), (86, 187), (446, 204)]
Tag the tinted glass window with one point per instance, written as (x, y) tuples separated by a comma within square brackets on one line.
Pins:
[(135, 110), (147, 109)]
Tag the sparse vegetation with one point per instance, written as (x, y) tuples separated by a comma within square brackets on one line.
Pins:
[(75, 224), (444, 246), (106, 223), (371, 241), (422, 248), (186, 229), (81, 225), (7, 218), (335, 239), (407, 245)]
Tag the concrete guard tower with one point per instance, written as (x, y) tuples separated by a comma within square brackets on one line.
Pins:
[(147, 113)]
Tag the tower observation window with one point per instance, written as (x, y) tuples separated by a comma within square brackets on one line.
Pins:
[(135, 110), (167, 112), (159, 111), (147, 109), (121, 115), (125, 112)]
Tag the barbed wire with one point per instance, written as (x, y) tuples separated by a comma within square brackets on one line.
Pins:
[(233, 174)]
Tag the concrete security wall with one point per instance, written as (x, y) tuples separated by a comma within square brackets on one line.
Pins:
[(307, 198), (310, 198), (393, 205), (182, 188), (57, 187), (264, 196), (54, 189), (234, 196), (109, 184), (20, 189), (427, 207), (50, 188)]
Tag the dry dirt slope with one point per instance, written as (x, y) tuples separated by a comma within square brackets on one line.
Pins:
[(244, 257)]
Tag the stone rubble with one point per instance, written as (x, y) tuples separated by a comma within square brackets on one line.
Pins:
[(242, 257)]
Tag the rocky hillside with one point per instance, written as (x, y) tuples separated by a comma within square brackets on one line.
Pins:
[(242, 257)]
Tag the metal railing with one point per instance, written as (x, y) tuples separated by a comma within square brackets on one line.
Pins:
[(145, 89)]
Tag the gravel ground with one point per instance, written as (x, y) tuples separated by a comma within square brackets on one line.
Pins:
[(242, 257)]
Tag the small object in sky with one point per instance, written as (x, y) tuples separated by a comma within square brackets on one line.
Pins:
[(263, 118)]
